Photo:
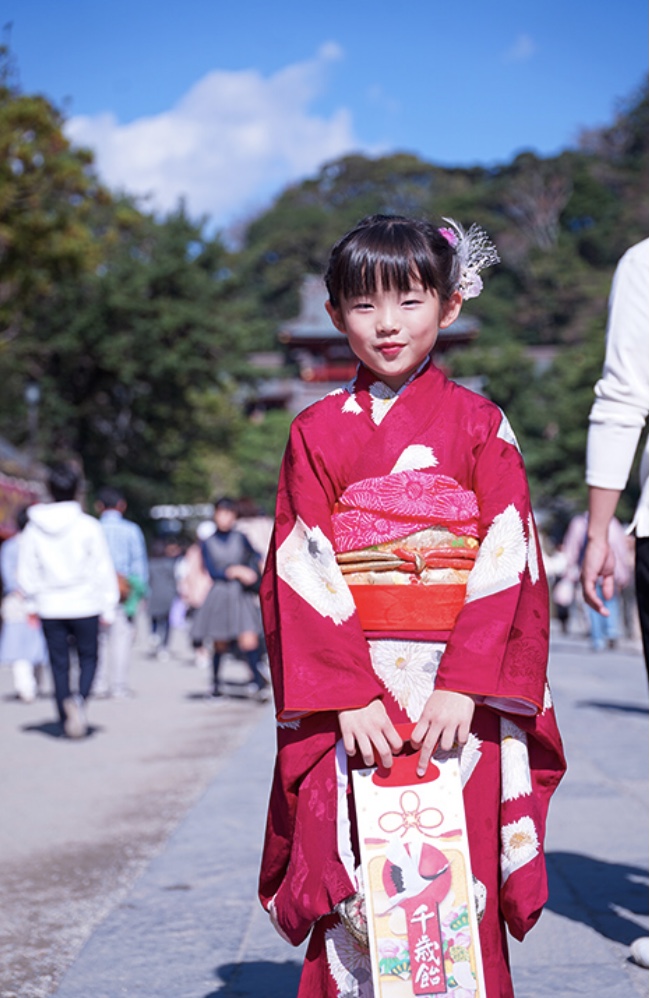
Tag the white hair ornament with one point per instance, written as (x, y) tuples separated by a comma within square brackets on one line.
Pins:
[(474, 250)]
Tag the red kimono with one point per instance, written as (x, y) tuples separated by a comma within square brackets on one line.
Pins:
[(425, 489)]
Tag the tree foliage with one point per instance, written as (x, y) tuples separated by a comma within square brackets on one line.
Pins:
[(47, 193)]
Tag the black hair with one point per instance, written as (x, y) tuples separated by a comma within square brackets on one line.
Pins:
[(109, 497), (224, 502), (391, 252), (63, 481)]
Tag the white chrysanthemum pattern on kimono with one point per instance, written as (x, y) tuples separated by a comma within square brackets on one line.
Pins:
[(293, 725), (520, 845), (516, 780), (349, 964), (352, 405), (306, 562), (408, 669), (547, 698), (417, 457), (506, 433), (502, 557), (532, 551), (470, 755), (383, 398)]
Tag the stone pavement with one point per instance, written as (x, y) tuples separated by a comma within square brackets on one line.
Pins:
[(598, 832), (81, 820), (191, 926)]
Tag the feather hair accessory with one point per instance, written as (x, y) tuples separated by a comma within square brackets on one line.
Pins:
[(474, 250)]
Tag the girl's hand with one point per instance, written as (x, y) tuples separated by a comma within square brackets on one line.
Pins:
[(446, 718), (370, 730)]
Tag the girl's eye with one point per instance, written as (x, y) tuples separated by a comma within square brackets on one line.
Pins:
[(412, 301)]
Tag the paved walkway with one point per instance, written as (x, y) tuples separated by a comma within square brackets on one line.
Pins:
[(598, 833), (191, 926)]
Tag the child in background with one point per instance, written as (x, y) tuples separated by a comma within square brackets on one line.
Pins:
[(21, 638), (162, 593), (231, 609), (404, 584)]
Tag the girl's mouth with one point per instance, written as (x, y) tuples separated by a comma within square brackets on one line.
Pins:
[(390, 350)]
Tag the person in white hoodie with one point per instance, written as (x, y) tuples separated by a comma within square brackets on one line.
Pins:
[(65, 569)]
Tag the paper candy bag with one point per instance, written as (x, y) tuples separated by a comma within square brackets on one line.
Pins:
[(422, 922)]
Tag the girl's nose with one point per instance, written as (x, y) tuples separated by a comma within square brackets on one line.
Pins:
[(386, 320)]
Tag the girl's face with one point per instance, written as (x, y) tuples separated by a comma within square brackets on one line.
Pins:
[(392, 332)]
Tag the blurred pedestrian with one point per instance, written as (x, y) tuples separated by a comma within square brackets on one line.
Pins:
[(65, 567), (629, 597), (128, 551), (617, 419), (562, 590), (22, 644), (162, 593), (231, 610), (194, 583)]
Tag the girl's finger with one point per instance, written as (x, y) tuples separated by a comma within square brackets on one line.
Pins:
[(426, 751), (366, 750), (447, 739), (419, 733), (383, 751), (463, 732), (394, 739)]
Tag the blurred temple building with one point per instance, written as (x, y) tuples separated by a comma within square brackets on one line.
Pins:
[(22, 482)]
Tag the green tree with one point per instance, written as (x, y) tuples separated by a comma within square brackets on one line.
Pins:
[(47, 193), (258, 455), (122, 353)]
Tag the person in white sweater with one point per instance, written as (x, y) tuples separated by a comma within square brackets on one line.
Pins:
[(65, 569), (618, 416), (617, 419)]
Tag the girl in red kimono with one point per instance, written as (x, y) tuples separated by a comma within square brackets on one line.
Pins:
[(404, 584)]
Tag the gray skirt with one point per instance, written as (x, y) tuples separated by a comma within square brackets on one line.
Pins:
[(227, 612)]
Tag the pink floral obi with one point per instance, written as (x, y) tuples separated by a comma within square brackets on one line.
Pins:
[(406, 544)]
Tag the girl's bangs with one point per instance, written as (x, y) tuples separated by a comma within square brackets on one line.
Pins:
[(367, 270)]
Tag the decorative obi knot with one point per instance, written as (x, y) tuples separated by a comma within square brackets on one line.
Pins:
[(406, 544)]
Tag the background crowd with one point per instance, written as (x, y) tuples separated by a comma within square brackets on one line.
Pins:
[(195, 593), (77, 586)]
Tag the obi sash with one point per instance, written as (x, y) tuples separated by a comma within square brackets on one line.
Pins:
[(406, 544)]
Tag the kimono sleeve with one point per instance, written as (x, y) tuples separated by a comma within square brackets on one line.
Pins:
[(318, 654), (498, 649)]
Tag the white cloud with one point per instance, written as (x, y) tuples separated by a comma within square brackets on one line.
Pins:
[(232, 141), (522, 49)]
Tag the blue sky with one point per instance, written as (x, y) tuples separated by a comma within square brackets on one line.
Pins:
[(226, 102)]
